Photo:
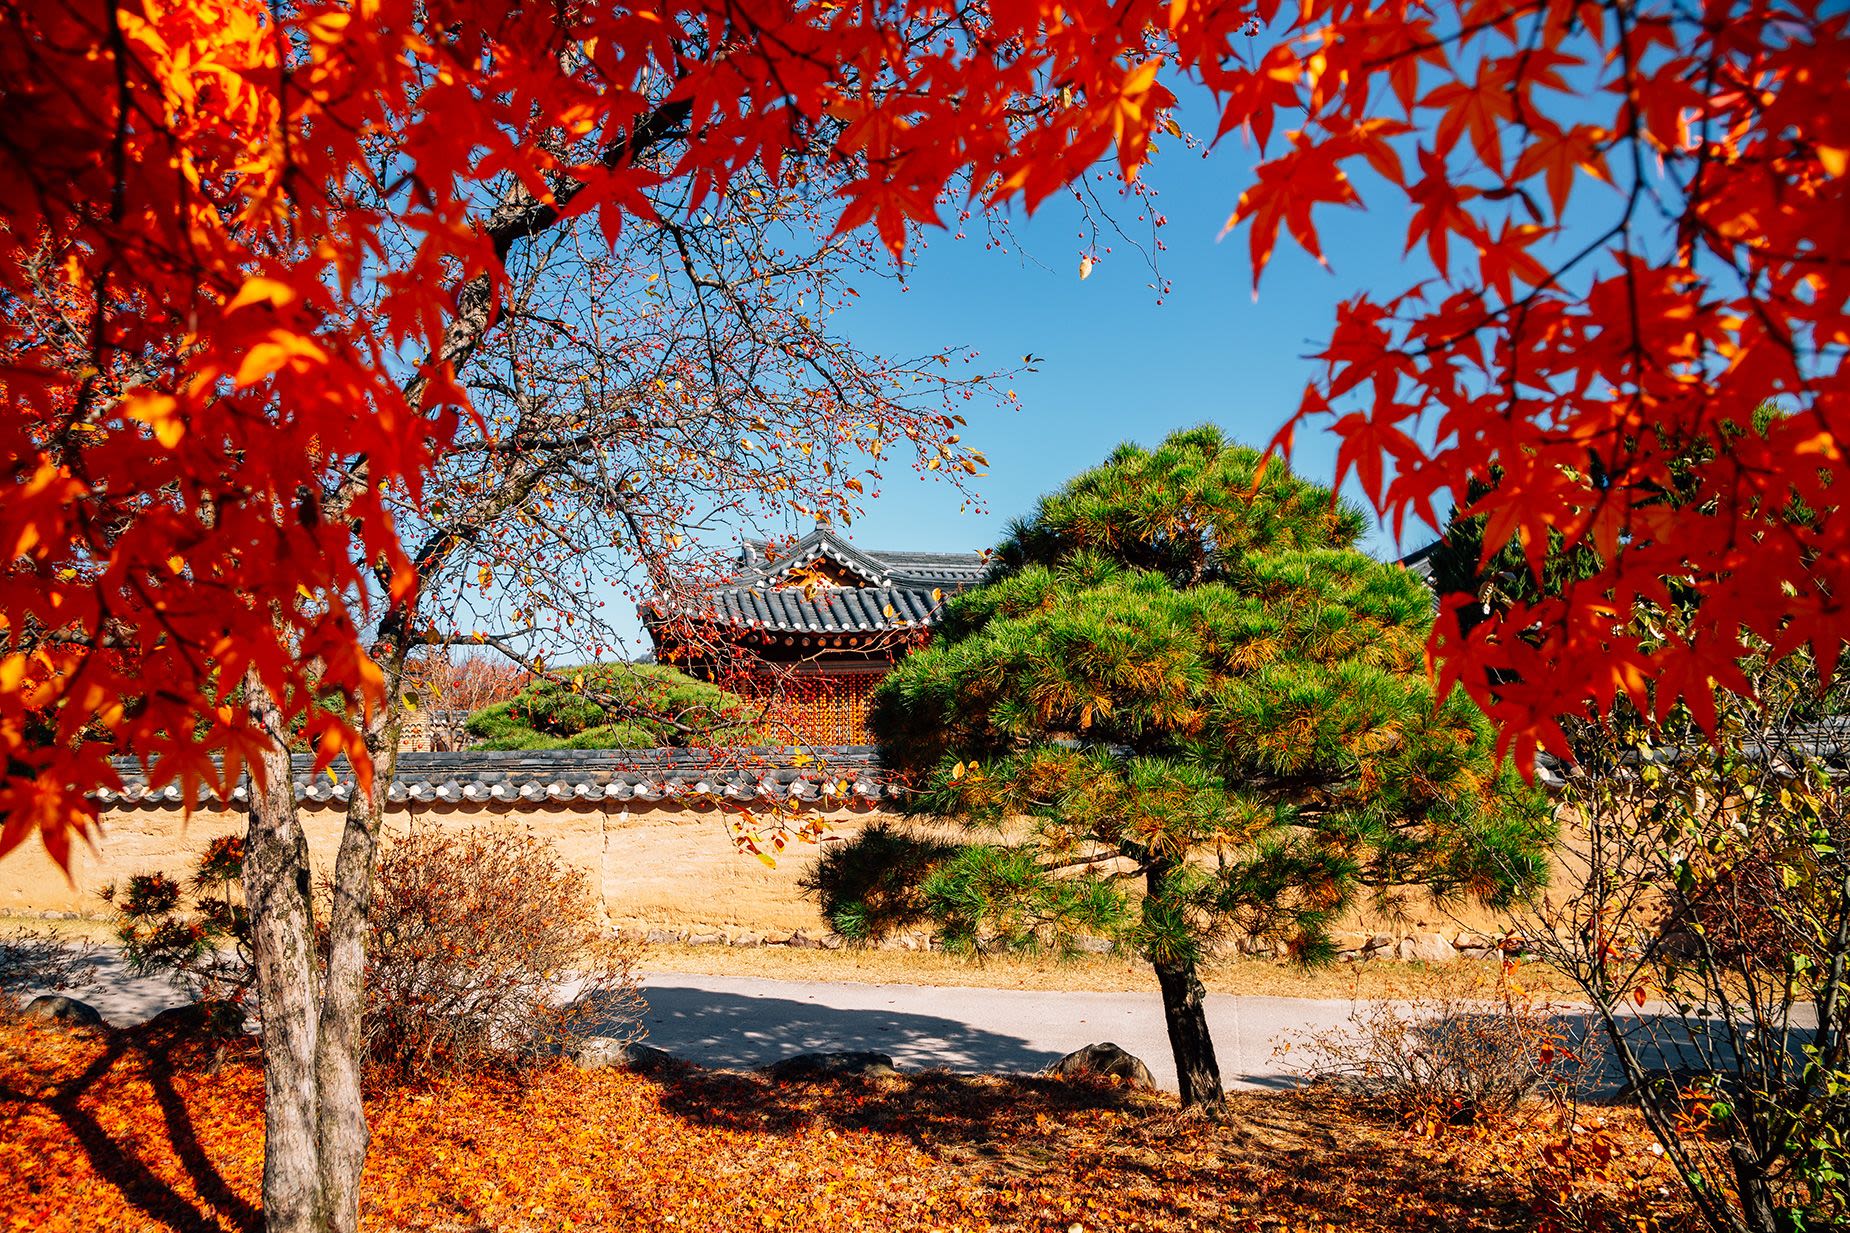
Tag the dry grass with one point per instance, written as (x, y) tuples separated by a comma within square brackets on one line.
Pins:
[(1087, 973), (1090, 974), (87, 930)]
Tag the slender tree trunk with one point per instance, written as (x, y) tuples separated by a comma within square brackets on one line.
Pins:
[(1185, 1014), (1758, 1211), (344, 1136), (278, 891)]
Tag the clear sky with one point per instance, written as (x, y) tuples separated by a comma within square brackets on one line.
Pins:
[(1116, 364), (1117, 359)]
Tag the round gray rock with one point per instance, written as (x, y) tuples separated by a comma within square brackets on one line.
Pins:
[(56, 1008), (1429, 948), (830, 1065), (610, 1053), (1104, 1061)]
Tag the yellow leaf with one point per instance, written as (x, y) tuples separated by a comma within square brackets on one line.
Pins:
[(284, 347), (261, 291), (161, 412), (1835, 159), (957, 772)]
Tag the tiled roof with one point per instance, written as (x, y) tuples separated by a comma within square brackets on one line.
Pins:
[(898, 590), (831, 777), (864, 608), (1420, 561)]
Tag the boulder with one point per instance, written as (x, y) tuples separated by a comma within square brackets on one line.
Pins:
[(208, 1018), (1104, 1061), (1429, 948), (68, 1012), (862, 1063), (610, 1053)]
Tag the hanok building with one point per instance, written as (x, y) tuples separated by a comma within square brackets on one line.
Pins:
[(812, 628)]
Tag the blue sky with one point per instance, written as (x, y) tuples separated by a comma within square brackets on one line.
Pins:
[(1117, 360), (1117, 364)]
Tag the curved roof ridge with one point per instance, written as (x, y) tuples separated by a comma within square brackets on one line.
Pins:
[(824, 542)]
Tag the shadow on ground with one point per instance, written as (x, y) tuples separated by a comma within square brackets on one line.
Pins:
[(930, 1108), (1022, 1140), (742, 1031), (159, 1049)]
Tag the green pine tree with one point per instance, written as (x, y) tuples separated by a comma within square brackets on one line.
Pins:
[(1183, 707)]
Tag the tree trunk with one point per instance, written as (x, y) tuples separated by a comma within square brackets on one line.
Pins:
[(1185, 1011), (1758, 1211), (1185, 1014), (342, 1131), (278, 892)]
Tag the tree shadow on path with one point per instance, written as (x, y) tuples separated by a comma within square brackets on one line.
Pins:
[(739, 1033), (739, 1030)]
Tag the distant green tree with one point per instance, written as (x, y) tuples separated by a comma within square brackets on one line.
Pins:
[(661, 708), (1476, 582), (1184, 706), (1472, 587)]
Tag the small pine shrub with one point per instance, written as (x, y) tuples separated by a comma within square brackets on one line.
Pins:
[(195, 933), (615, 706)]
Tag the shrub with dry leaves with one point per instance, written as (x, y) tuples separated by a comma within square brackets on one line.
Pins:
[(486, 948), (1469, 1050), (475, 937)]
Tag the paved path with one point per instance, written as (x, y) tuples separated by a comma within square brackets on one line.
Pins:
[(736, 1021), (746, 1022)]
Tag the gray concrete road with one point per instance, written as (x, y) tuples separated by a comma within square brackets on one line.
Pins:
[(745, 1022), (736, 1021)]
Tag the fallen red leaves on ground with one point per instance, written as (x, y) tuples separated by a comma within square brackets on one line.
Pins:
[(144, 1130)]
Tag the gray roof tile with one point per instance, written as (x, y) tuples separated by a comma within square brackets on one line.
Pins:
[(489, 778)]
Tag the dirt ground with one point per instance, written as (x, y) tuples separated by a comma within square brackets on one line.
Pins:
[(1088, 973)]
